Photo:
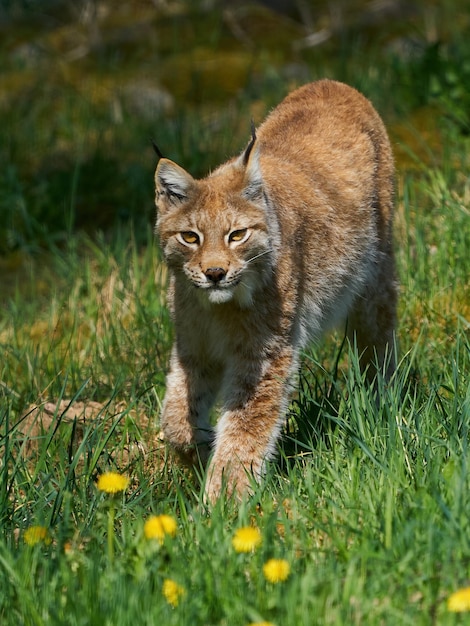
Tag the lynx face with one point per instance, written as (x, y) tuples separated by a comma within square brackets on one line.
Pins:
[(221, 245)]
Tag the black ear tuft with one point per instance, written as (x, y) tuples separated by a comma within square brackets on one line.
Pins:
[(253, 130), (249, 148), (157, 149)]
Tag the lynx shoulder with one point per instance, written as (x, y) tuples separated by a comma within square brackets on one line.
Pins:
[(268, 252)]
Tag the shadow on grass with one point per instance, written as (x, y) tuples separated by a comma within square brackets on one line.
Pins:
[(337, 400)]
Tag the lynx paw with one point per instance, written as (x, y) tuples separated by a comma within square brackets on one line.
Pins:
[(230, 480)]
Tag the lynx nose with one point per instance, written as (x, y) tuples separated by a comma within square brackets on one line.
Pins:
[(215, 274)]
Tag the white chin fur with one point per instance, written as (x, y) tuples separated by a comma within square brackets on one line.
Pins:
[(219, 296), (242, 294)]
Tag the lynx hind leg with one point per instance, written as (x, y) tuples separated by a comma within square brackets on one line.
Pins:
[(372, 323)]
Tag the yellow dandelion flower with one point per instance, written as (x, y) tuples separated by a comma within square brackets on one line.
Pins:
[(172, 591), (157, 526), (261, 624), (276, 570), (36, 534), (459, 601), (246, 539), (112, 482)]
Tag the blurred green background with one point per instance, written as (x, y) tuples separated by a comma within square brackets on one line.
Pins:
[(86, 84)]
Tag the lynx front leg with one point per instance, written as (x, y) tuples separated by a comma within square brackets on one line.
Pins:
[(190, 392), (248, 429)]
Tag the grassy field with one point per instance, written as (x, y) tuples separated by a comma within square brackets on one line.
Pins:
[(366, 512)]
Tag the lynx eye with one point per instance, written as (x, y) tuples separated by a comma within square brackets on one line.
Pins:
[(189, 237), (238, 235)]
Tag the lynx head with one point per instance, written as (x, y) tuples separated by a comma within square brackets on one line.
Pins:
[(217, 233)]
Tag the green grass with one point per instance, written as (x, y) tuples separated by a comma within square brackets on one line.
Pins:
[(368, 503)]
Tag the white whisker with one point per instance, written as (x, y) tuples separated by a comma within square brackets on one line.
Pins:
[(257, 256)]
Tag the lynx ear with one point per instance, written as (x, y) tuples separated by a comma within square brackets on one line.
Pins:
[(172, 181), (249, 159), (253, 177)]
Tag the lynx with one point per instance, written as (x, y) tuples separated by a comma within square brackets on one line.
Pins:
[(269, 251)]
